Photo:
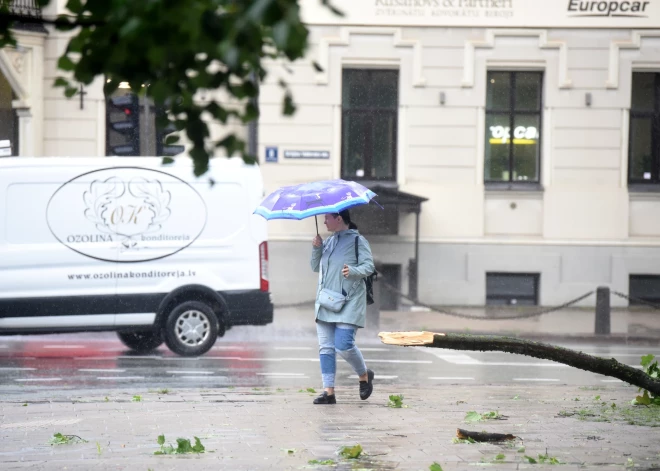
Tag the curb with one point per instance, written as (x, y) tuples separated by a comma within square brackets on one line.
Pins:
[(619, 339)]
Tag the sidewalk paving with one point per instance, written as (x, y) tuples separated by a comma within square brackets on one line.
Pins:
[(565, 326), (244, 429)]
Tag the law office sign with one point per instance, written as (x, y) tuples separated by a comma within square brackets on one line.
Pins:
[(488, 13)]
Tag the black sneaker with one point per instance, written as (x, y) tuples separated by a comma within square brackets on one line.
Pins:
[(325, 398), (366, 387)]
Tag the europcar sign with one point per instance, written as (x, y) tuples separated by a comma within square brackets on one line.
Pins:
[(488, 13)]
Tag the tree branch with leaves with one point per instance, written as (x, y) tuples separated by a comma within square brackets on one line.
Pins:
[(173, 51)]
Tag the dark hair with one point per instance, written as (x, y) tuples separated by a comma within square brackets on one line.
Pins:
[(346, 217)]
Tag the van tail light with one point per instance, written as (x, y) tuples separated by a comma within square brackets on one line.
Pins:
[(263, 266)]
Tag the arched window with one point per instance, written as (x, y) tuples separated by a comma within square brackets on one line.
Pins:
[(8, 120)]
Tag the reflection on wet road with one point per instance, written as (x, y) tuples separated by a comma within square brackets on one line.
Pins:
[(100, 361)]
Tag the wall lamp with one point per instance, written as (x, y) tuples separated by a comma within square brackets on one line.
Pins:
[(587, 99), (443, 98)]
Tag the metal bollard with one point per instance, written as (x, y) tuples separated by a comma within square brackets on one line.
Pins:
[(602, 310)]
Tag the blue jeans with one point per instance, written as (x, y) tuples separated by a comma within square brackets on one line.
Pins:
[(338, 338)]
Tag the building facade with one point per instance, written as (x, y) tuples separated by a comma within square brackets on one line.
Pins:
[(530, 127), (517, 141)]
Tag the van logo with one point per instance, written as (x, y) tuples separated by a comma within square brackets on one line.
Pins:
[(126, 214)]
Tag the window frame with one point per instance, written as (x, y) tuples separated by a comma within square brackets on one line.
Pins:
[(655, 135), (370, 113), (537, 287), (641, 278), (512, 113)]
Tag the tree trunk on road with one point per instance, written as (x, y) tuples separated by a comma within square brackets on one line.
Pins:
[(490, 343)]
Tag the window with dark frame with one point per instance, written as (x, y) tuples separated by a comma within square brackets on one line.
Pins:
[(644, 141), (511, 289), (514, 107), (370, 113), (645, 288)]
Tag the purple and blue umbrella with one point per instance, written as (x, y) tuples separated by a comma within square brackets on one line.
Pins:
[(311, 199)]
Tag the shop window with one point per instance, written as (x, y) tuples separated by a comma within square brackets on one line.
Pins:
[(510, 289), (643, 152), (513, 127), (370, 104), (645, 288)]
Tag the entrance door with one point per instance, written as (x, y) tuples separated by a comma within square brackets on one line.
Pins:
[(8, 120), (391, 275)]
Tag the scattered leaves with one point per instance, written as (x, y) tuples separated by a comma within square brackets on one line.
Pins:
[(396, 401), (311, 390), (137, 398), (473, 416), (98, 448), (289, 451), (323, 462), (435, 467), (500, 457), (183, 447), (351, 452), (60, 439), (461, 440)]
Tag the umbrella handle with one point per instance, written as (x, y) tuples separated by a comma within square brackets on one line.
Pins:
[(317, 224)]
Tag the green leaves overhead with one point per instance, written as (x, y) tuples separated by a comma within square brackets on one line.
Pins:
[(181, 54)]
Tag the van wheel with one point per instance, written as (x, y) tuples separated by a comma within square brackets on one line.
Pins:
[(141, 341), (191, 329)]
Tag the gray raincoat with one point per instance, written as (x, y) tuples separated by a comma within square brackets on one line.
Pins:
[(337, 251)]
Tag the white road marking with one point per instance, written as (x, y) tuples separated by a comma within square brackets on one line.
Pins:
[(608, 355), (374, 349), (121, 378), (101, 370), (295, 348), (611, 381), (9, 368), (31, 380), (411, 362), (535, 379), (64, 346), (377, 377), (206, 377), (452, 378), (191, 372), (228, 347), (280, 374), (463, 359)]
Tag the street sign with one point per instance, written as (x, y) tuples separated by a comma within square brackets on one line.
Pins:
[(306, 154), (271, 154)]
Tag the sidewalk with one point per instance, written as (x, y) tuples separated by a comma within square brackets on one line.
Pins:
[(244, 429), (566, 325)]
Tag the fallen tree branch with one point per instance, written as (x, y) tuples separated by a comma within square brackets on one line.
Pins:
[(490, 343), (483, 436)]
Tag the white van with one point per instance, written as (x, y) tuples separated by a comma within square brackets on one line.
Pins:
[(134, 246)]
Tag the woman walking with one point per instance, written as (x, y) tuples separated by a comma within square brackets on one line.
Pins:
[(341, 274)]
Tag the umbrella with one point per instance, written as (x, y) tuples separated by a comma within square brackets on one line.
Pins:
[(310, 199)]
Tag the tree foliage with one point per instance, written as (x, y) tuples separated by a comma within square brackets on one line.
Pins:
[(173, 51)]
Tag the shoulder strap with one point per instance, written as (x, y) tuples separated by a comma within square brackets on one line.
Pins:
[(357, 258)]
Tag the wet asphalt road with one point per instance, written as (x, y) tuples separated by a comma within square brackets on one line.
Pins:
[(100, 361)]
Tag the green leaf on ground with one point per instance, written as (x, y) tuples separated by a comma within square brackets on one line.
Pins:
[(530, 459), (311, 390), (183, 446), (435, 467), (323, 462), (468, 440), (60, 439), (289, 451), (521, 449), (137, 398), (351, 452), (500, 457), (98, 448), (163, 391), (396, 401)]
